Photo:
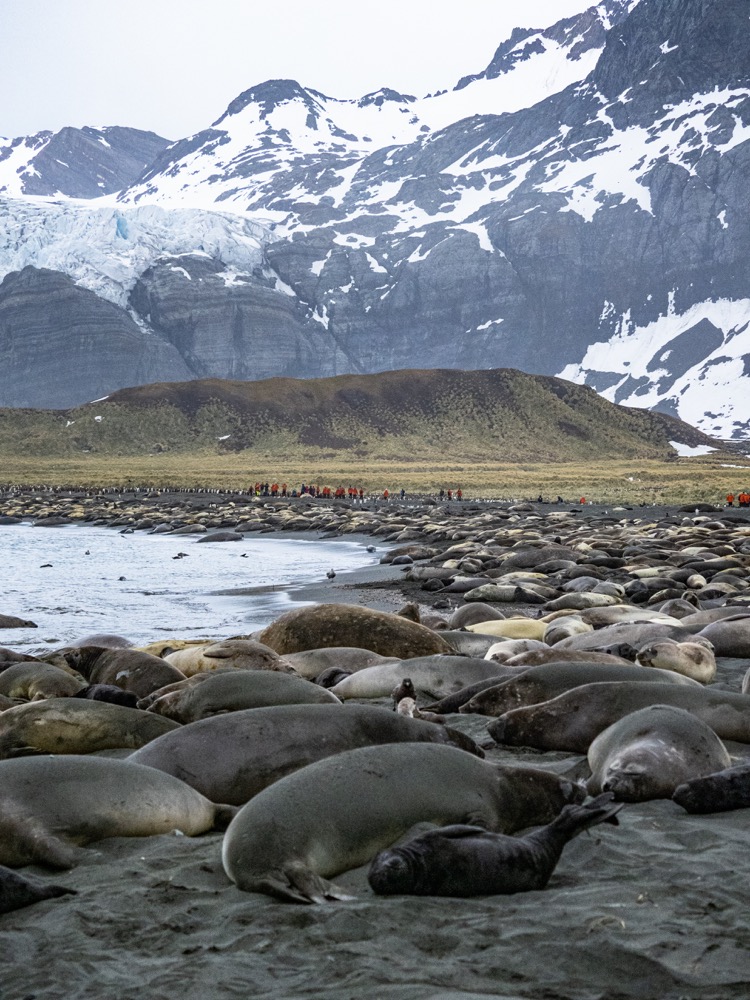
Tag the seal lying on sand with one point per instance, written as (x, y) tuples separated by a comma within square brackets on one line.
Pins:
[(34, 681), (230, 758), (719, 792), (49, 804), (17, 891), (72, 726), (351, 625), (574, 719), (221, 691), (237, 654), (547, 681), (692, 659), (469, 861), (435, 675), (648, 753), (126, 668), (336, 814)]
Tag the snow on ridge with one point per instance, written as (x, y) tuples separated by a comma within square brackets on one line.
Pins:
[(709, 395), (685, 451)]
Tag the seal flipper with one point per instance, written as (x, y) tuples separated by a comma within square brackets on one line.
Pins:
[(299, 884)]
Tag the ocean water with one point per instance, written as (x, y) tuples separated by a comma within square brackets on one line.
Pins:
[(77, 580)]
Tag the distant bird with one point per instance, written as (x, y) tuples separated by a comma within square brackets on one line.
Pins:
[(370, 548), (330, 574), (87, 553), (244, 555), (180, 555), (46, 566)]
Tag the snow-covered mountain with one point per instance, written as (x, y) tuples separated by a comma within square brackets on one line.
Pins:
[(578, 208)]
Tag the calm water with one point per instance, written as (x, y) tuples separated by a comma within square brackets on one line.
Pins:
[(133, 585)]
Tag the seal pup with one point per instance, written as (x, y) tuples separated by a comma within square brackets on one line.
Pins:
[(691, 659), (647, 754), (469, 861), (108, 692), (50, 805), (719, 792), (230, 758), (17, 891), (337, 813)]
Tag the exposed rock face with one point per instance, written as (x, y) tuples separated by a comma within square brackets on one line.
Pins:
[(60, 344), (229, 326), (76, 162)]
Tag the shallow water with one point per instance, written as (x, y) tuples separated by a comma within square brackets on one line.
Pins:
[(77, 580)]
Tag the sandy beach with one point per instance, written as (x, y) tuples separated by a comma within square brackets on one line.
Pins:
[(655, 907)]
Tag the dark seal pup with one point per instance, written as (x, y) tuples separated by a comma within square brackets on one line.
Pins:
[(470, 861), (17, 891), (719, 792)]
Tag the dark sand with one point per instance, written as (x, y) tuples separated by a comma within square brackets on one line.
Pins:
[(656, 907)]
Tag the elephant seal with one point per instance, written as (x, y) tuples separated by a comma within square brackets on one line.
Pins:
[(337, 813), (635, 634), (72, 726), (10, 621), (128, 669), (470, 614), (468, 643), (571, 721), (322, 625), (469, 861), (108, 692), (511, 628), (106, 639), (50, 804), (549, 654), (647, 754), (691, 659), (436, 676), (17, 891), (34, 681), (720, 792), (506, 649), (230, 758), (165, 646), (224, 691), (310, 663), (730, 636), (237, 654), (539, 684)]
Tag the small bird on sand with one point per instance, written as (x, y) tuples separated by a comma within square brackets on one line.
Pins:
[(330, 574)]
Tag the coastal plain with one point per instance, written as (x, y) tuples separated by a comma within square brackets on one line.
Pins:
[(655, 906)]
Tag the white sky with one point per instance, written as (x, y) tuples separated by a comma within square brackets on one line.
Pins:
[(173, 65)]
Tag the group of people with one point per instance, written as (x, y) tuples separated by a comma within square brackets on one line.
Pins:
[(326, 492), (450, 494), (743, 499)]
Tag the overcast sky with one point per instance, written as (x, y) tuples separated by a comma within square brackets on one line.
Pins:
[(172, 66)]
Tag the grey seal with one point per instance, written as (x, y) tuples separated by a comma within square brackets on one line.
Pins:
[(719, 792), (17, 891)]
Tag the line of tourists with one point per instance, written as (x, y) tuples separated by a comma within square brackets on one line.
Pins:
[(743, 499)]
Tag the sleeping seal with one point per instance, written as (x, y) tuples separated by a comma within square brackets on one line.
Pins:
[(336, 814), (469, 861), (17, 891), (232, 757), (50, 804), (648, 753)]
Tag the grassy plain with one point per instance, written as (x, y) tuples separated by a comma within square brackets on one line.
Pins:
[(633, 481)]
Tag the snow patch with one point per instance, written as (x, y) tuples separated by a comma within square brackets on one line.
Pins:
[(685, 451)]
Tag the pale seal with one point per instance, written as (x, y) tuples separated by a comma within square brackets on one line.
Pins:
[(692, 659), (337, 813), (469, 861), (36, 680), (237, 654), (647, 754), (436, 676), (50, 804), (230, 758)]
